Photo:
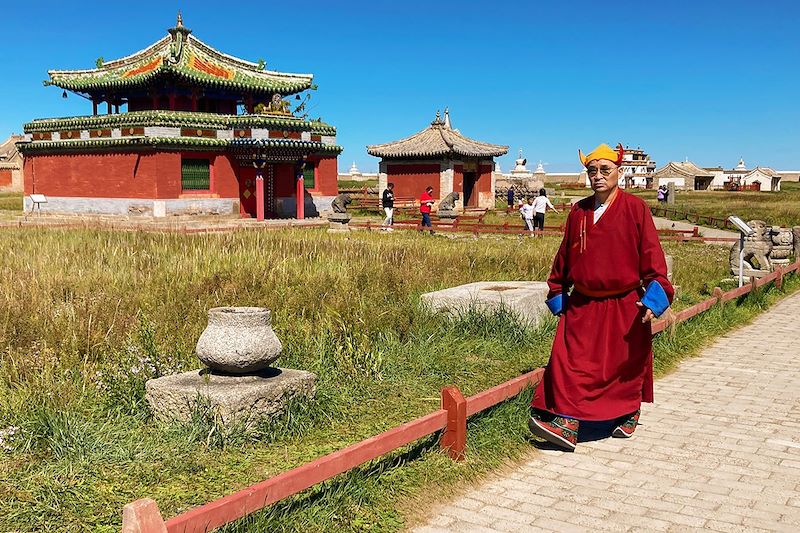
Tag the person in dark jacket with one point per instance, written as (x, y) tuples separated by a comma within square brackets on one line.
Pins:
[(510, 197), (387, 201)]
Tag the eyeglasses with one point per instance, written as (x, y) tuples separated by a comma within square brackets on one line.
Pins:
[(605, 171)]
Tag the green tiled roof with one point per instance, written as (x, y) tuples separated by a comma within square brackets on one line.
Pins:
[(185, 143), (185, 57), (179, 119)]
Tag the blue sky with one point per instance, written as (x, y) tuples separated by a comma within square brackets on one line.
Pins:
[(711, 81)]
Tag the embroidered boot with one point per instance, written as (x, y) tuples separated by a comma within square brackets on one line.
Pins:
[(628, 425), (561, 431)]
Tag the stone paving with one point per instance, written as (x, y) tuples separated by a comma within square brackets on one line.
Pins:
[(719, 450)]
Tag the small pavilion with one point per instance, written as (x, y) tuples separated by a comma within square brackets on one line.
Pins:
[(187, 129), (441, 157)]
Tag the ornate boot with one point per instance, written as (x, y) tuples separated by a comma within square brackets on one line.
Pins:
[(561, 431), (627, 426)]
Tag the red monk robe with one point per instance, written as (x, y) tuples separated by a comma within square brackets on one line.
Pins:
[(601, 365)]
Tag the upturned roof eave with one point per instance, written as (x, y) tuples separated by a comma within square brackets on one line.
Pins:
[(110, 75)]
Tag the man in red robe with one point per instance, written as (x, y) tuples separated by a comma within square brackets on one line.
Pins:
[(601, 365)]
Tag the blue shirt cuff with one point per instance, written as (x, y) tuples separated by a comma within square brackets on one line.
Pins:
[(557, 303), (655, 298)]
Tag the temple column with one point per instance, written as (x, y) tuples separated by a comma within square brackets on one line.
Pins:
[(194, 100), (108, 106), (94, 106), (259, 193), (259, 164), (300, 194), (172, 102)]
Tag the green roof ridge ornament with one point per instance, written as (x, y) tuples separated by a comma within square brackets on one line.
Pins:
[(179, 34), (262, 65), (99, 62)]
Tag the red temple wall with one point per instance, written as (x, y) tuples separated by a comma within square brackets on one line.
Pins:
[(5, 177), (484, 183), (411, 180), (327, 177), (123, 175)]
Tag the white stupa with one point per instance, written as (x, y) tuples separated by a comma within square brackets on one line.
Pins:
[(520, 171), (354, 170), (741, 166), (539, 173)]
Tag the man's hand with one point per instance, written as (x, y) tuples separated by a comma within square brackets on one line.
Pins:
[(648, 314)]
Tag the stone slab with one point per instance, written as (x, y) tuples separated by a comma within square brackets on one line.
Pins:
[(525, 298), (236, 398)]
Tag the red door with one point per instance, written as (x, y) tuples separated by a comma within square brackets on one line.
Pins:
[(247, 192)]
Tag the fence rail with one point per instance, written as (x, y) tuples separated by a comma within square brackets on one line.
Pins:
[(143, 516), (456, 226), (697, 218)]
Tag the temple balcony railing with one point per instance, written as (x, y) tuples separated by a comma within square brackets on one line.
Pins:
[(180, 119)]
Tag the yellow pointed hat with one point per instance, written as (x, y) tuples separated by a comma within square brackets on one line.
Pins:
[(603, 151)]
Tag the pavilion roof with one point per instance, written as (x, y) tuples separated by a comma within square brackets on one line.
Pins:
[(438, 139), (185, 57), (683, 168)]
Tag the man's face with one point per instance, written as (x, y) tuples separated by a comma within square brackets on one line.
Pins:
[(603, 174)]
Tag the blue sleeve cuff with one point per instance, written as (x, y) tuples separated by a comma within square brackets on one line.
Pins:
[(655, 298), (557, 303)]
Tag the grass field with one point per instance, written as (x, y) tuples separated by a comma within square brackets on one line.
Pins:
[(88, 316), (776, 208), (10, 204)]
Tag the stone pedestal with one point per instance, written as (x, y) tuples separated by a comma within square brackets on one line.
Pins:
[(339, 222), (244, 398), (523, 298), (447, 217), (796, 234)]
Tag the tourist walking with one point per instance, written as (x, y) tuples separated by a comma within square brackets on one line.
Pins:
[(510, 197), (387, 201), (527, 211), (540, 205), (425, 204), (601, 363)]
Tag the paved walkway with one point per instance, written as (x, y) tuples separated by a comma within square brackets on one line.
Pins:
[(665, 223), (719, 450)]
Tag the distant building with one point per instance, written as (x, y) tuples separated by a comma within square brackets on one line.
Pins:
[(637, 169), (441, 157), (685, 175), (763, 179), (11, 178), (522, 177), (356, 175)]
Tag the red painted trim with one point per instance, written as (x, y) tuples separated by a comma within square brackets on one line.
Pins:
[(259, 195), (502, 392), (300, 201), (454, 439)]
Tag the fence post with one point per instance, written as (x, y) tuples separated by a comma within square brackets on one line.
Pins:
[(779, 279), (454, 439), (143, 516), (695, 232)]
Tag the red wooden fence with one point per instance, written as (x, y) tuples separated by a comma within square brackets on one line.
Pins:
[(143, 516)]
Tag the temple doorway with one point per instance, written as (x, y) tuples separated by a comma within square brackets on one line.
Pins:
[(469, 187)]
